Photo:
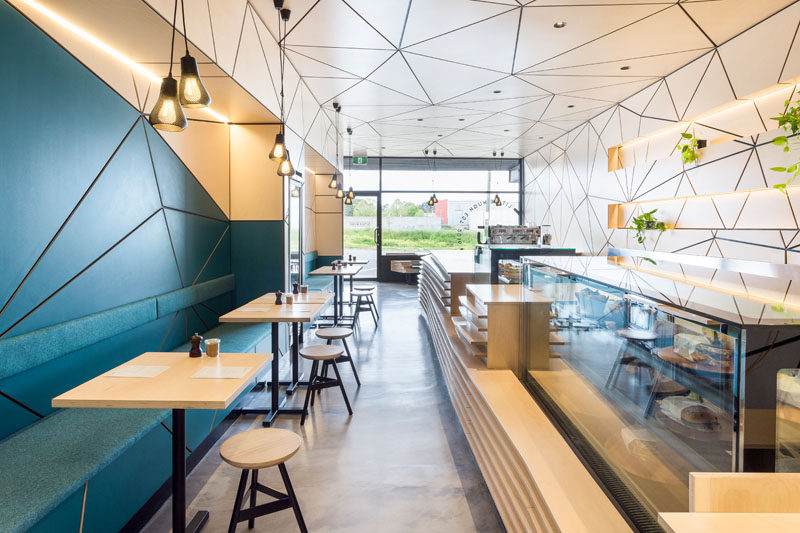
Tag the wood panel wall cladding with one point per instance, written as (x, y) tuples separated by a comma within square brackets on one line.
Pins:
[(571, 184)]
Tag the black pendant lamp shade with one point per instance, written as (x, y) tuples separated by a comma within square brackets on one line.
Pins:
[(430, 201), (348, 201), (334, 183), (497, 200), (285, 167), (167, 114), (351, 193), (435, 200), (278, 151), (191, 89), (340, 192)]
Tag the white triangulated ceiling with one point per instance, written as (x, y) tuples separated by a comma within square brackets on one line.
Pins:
[(476, 76)]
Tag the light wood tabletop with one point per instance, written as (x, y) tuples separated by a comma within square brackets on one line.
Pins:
[(168, 382), (301, 298), (729, 522), (346, 270), (263, 309)]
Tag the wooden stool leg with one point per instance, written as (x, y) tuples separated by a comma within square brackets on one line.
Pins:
[(352, 364), (238, 503), (292, 498), (253, 492), (309, 391), (341, 386)]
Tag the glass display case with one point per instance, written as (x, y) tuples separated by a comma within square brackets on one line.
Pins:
[(653, 373)]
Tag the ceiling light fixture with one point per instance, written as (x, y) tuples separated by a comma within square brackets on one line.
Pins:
[(350, 192), (626, 67), (279, 151), (461, 120), (97, 43), (339, 191), (560, 24), (296, 192), (497, 200), (167, 114), (497, 91), (419, 120), (335, 182), (348, 201), (191, 89)]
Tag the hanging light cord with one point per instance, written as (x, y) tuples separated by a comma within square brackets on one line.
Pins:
[(172, 46), (185, 38), (282, 50)]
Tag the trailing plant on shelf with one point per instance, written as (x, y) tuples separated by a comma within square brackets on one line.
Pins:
[(689, 146), (644, 222), (789, 120)]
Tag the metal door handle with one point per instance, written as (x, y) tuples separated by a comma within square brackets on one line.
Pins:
[(375, 237)]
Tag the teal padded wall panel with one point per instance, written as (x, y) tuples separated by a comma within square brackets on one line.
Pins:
[(179, 299), (43, 180), (196, 240), (256, 257), (35, 348), (126, 188), (38, 385), (326, 260), (139, 267), (179, 188), (66, 518)]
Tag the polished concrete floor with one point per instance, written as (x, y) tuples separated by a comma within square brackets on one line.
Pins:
[(400, 463)]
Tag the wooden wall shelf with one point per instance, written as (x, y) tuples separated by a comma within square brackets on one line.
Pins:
[(757, 209)]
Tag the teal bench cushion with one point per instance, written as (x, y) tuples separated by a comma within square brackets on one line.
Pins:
[(237, 337), (28, 350), (182, 298), (43, 464), (320, 283)]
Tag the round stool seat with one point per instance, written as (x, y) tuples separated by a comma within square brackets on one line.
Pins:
[(321, 352), (334, 333), (363, 292), (363, 287), (260, 448)]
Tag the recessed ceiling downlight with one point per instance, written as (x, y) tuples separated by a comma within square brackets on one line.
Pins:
[(560, 24), (626, 67)]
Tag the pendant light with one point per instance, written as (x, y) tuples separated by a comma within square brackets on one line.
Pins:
[(191, 89), (340, 192), (433, 180), (335, 182), (497, 200), (348, 201), (351, 194), (285, 167), (296, 192), (167, 114), (279, 152)]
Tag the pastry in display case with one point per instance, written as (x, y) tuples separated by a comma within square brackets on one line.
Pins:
[(658, 375)]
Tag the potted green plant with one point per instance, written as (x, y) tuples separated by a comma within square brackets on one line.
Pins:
[(789, 121), (689, 146), (646, 221)]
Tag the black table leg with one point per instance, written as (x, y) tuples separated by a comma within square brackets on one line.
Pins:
[(336, 300), (275, 385), (296, 375), (179, 478)]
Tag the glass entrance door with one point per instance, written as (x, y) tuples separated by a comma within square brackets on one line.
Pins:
[(362, 233)]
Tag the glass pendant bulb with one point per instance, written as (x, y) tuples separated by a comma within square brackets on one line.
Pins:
[(296, 192), (278, 152), (348, 201), (351, 193), (435, 200), (334, 183), (167, 114), (285, 167), (191, 89), (340, 192), (430, 201), (497, 200)]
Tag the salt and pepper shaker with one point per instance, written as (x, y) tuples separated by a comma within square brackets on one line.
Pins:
[(278, 296), (295, 288), (195, 351)]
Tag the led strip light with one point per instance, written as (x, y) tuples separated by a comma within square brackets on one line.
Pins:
[(119, 56)]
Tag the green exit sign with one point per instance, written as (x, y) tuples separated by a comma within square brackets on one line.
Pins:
[(360, 160)]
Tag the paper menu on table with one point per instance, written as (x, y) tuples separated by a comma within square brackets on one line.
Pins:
[(136, 371), (217, 372)]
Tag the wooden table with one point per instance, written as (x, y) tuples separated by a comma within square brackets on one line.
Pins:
[(173, 388), (263, 309), (338, 287), (729, 522)]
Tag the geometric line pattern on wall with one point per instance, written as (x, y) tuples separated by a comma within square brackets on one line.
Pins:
[(568, 185)]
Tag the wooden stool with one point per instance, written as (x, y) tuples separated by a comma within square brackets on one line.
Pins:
[(251, 451), (332, 334), (328, 355), (364, 287), (365, 302)]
